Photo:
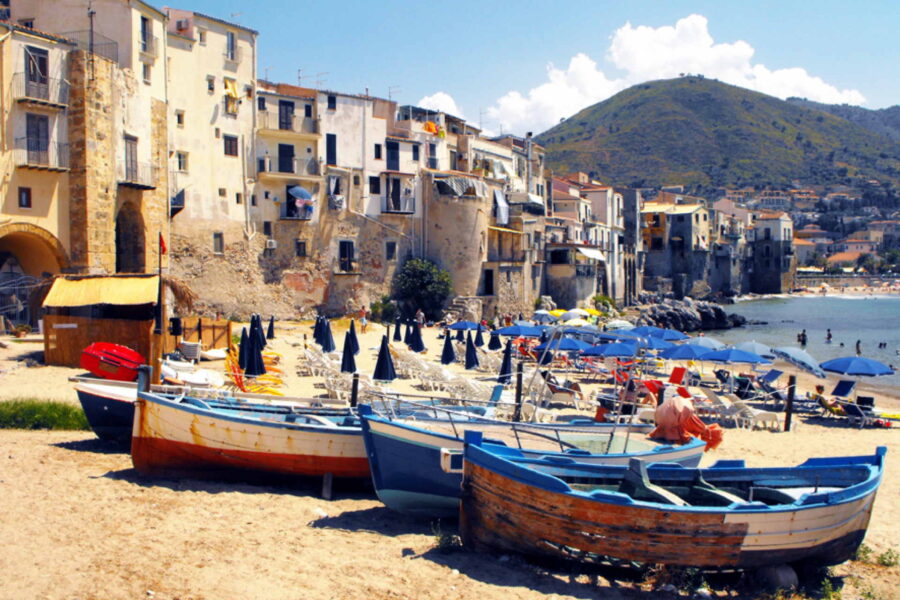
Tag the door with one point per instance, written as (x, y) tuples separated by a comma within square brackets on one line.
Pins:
[(285, 158), (488, 289), (393, 156), (131, 164), (285, 115), (345, 251), (331, 149), (36, 71), (395, 194), (37, 139)]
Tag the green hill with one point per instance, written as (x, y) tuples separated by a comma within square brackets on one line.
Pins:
[(700, 132), (883, 121)]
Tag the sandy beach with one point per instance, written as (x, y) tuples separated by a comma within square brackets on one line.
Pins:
[(79, 522)]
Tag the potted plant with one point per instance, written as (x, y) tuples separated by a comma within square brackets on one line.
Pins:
[(22, 330)]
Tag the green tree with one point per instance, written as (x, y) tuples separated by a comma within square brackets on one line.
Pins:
[(422, 284)]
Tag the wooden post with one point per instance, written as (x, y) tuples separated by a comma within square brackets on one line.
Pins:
[(789, 406), (327, 480), (517, 415), (354, 391)]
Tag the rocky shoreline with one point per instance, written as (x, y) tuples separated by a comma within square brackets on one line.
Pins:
[(685, 315)]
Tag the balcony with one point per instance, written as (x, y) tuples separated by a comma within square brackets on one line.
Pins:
[(47, 92), (273, 122), (585, 270), (149, 47), (142, 176), (32, 153), (287, 166), (516, 256), (291, 212), (404, 205), (232, 55)]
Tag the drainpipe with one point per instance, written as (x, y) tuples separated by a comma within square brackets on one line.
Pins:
[(249, 229), (528, 153)]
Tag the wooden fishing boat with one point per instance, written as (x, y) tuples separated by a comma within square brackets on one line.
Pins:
[(191, 437), (723, 517), (111, 361), (405, 453)]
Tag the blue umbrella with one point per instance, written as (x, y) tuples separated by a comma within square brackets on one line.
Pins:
[(299, 193), (464, 325), (448, 355), (520, 331), (564, 345), (407, 334), (327, 339), (384, 366), (317, 330), (242, 349), (685, 352), (799, 358), (656, 343), (669, 335), (613, 350), (353, 340), (471, 354), (257, 328), (397, 336), (646, 330), (348, 363), (707, 342), (416, 343), (733, 355), (479, 339), (270, 333), (506, 366), (756, 348), (495, 343), (856, 366)]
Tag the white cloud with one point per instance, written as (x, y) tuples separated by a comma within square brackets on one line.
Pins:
[(443, 102), (646, 53)]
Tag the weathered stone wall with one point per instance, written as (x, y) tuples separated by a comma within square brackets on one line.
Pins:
[(456, 238)]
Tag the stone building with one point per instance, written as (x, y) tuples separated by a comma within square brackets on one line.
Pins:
[(774, 262), (676, 239)]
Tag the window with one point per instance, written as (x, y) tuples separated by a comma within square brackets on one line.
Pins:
[(179, 118), (307, 111), (267, 228), (377, 151), (252, 199), (231, 46), (29, 23), (210, 84), (238, 198), (261, 102), (300, 248), (356, 180), (182, 160), (231, 145), (345, 256), (332, 102), (231, 96), (222, 192), (37, 72), (374, 185), (390, 251), (146, 40), (218, 243), (415, 152), (201, 36), (24, 197), (330, 148)]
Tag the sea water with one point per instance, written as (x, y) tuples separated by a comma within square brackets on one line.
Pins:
[(869, 319)]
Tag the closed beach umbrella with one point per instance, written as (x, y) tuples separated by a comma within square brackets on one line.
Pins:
[(799, 358), (256, 325), (416, 343), (270, 334), (354, 342), (471, 354), (495, 343), (317, 330), (857, 366), (706, 342), (448, 355), (479, 339), (506, 364), (242, 349), (348, 363), (255, 364), (460, 336), (384, 366), (407, 334), (397, 335), (756, 348), (685, 352), (327, 339)]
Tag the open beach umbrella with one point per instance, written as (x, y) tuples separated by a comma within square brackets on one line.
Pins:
[(471, 354), (519, 331), (348, 363), (495, 343), (613, 350), (646, 330), (799, 358), (669, 335), (416, 344), (299, 193), (464, 325), (353, 339), (327, 339), (756, 348), (706, 342), (270, 333), (733, 355), (506, 365), (685, 352), (479, 339), (398, 337), (576, 322), (565, 344), (543, 316), (593, 312), (556, 312), (856, 366), (655, 343), (384, 366), (619, 324), (242, 349), (575, 313), (448, 355)]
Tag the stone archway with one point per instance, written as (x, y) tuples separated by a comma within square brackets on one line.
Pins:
[(130, 244), (28, 253)]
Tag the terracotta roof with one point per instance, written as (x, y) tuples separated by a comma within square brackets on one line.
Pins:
[(771, 215), (844, 257), (36, 32), (802, 242)]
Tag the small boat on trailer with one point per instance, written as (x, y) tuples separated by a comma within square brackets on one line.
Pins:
[(727, 516), (405, 453)]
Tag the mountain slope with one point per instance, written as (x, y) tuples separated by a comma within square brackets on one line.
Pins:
[(883, 121), (701, 132)]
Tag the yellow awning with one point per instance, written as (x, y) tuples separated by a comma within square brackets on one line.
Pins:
[(231, 88), (505, 230), (103, 290)]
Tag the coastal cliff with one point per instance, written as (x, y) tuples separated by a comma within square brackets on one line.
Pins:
[(685, 315)]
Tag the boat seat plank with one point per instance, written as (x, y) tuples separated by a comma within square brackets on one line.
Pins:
[(636, 483)]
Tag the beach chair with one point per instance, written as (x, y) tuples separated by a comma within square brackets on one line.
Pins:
[(856, 415), (844, 389), (677, 376), (723, 407), (753, 417)]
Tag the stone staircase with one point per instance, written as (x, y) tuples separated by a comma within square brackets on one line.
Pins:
[(465, 308)]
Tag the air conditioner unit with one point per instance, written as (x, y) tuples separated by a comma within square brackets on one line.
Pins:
[(271, 244), (181, 24)]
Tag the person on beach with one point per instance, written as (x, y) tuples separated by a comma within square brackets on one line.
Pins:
[(830, 406), (420, 318), (363, 322), (828, 337), (858, 347)]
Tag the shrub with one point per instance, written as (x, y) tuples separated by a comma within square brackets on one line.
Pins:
[(384, 310), (602, 299), (422, 284), (888, 558), (30, 413)]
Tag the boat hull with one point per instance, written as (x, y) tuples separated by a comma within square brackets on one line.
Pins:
[(503, 509), (111, 361), (173, 439), (406, 465), (110, 415)]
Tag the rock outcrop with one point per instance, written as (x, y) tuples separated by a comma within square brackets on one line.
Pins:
[(688, 315)]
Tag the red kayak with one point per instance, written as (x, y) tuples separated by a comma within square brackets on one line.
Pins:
[(111, 361)]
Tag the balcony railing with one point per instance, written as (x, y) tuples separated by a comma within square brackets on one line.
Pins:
[(135, 174), (41, 154), (585, 270), (274, 121), (149, 46), (93, 42), (50, 91), (288, 165), (291, 212), (232, 54), (405, 205), (508, 256)]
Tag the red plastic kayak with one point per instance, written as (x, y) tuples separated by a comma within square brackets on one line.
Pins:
[(111, 361)]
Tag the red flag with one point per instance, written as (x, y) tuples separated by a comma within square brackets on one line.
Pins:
[(162, 244)]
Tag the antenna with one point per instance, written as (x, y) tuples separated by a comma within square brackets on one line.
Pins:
[(300, 77), (319, 80), (266, 73), (392, 89), (91, 12), (481, 113), (234, 16)]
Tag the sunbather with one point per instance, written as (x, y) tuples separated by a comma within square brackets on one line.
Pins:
[(831, 406)]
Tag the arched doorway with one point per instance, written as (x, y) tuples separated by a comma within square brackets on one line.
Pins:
[(28, 254), (130, 246)]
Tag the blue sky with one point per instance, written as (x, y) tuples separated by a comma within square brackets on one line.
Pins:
[(523, 65)]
